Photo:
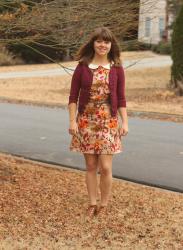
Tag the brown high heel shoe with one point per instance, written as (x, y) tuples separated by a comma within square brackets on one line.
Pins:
[(102, 211), (92, 211)]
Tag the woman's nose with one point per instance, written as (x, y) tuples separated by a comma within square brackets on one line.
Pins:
[(102, 43)]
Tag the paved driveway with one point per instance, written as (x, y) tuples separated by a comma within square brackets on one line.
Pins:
[(153, 150)]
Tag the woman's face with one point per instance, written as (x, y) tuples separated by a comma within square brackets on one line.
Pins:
[(102, 47)]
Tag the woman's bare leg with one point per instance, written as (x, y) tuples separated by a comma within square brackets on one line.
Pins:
[(105, 162), (91, 177)]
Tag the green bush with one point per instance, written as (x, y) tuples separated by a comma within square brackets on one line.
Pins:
[(163, 48), (7, 58), (134, 45), (37, 53)]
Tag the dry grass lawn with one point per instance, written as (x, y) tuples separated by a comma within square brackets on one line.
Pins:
[(147, 90), (44, 207)]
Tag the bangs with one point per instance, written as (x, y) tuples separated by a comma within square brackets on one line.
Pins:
[(103, 35)]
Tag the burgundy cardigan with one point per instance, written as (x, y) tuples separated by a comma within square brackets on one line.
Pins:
[(81, 83)]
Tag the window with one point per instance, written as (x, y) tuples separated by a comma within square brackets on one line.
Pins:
[(147, 26), (161, 27)]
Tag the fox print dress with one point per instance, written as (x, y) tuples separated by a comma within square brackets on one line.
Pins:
[(98, 131)]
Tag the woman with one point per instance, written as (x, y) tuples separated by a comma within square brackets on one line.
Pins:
[(99, 82)]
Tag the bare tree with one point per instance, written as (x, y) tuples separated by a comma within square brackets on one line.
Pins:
[(65, 24)]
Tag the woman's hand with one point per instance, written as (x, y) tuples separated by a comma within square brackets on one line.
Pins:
[(73, 128), (123, 131)]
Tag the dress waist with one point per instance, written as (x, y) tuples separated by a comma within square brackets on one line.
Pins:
[(100, 101)]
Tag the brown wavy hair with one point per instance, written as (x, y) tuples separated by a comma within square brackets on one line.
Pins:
[(86, 52)]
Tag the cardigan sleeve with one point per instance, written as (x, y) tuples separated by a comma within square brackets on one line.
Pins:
[(75, 85), (121, 87)]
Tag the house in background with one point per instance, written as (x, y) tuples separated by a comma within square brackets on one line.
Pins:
[(154, 20)]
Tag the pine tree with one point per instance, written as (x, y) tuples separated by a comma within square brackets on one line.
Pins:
[(177, 54)]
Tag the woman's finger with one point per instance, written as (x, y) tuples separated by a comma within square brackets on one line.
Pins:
[(120, 132), (71, 131), (123, 132)]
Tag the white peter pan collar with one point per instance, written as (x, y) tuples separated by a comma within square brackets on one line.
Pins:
[(95, 66)]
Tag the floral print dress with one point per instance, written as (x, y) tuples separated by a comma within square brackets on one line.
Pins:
[(98, 131)]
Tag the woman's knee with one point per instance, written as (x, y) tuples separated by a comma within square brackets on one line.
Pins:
[(91, 166), (105, 164), (105, 169), (91, 162)]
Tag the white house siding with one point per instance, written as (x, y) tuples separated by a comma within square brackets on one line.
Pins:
[(152, 20)]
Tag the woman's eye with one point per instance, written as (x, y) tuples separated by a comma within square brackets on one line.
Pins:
[(100, 41)]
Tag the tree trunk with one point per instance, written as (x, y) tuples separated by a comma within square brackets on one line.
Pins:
[(180, 87)]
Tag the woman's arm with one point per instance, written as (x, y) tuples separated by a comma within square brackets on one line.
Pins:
[(72, 111), (122, 101), (75, 85), (123, 114), (73, 99), (73, 128)]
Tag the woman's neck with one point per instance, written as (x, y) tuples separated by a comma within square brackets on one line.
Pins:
[(103, 60)]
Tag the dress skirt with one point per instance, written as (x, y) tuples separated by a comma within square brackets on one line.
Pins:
[(98, 131)]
